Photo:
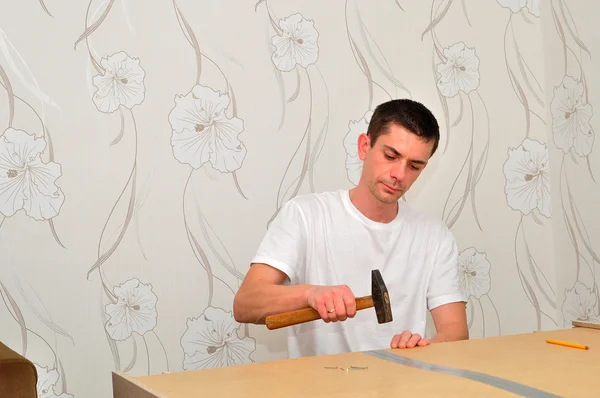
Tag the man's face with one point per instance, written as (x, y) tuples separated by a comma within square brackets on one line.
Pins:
[(395, 161)]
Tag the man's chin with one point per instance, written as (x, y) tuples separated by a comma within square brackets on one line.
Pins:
[(388, 196)]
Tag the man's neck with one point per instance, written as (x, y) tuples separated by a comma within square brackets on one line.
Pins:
[(363, 200)]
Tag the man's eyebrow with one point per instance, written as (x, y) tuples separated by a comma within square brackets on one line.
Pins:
[(395, 152)]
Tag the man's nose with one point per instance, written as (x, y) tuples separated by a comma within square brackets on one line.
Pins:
[(399, 171)]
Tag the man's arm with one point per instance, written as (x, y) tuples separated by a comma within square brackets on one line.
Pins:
[(261, 294), (450, 322)]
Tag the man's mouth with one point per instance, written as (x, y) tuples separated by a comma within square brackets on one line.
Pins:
[(391, 188)]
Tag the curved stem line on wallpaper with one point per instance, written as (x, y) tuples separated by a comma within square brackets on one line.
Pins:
[(45, 8), (485, 322), (17, 314), (111, 343), (306, 136), (197, 247), (576, 227), (103, 256), (362, 63), (11, 96), (133, 356), (534, 282), (387, 72), (92, 28), (473, 175), (524, 69), (45, 319)]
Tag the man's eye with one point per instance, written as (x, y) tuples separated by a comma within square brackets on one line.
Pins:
[(415, 167), (388, 157)]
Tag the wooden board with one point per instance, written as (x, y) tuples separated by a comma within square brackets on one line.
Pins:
[(525, 359)]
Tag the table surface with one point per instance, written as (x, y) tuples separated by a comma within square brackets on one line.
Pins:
[(526, 359)]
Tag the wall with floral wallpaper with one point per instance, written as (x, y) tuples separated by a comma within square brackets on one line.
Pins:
[(144, 151)]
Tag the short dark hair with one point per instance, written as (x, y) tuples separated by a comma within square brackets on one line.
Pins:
[(411, 115)]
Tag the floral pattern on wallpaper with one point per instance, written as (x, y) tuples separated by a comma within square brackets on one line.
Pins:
[(29, 184), (573, 135), (205, 132), (205, 125)]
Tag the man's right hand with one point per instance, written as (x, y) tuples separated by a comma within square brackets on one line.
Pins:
[(333, 303)]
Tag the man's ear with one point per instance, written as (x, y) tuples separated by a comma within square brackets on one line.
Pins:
[(364, 143)]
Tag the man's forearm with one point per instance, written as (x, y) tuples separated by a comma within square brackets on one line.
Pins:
[(451, 333), (254, 303)]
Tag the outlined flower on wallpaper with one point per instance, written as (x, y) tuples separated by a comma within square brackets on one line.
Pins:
[(474, 271), (527, 189), (459, 71), (46, 383), (354, 164), (205, 134), (134, 311), (475, 283), (533, 6), (571, 115), (296, 43), (294, 48), (120, 84), (581, 304), (528, 178), (455, 68), (26, 182), (211, 340)]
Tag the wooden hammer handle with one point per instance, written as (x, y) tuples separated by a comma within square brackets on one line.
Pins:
[(308, 314)]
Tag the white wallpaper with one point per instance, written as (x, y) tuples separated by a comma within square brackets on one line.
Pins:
[(145, 149)]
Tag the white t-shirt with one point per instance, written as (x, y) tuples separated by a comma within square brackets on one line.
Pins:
[(322, 239)]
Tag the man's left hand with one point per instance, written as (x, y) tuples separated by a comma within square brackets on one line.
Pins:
[(408, 340)]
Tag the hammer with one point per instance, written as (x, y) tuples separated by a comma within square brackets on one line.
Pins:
[(379, 299)]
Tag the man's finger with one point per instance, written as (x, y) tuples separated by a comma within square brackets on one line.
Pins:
[(413, 341), (395, 341), (330, 308), (404, 337), (424, 342), (322, 309), (350, 303), (340, 307)]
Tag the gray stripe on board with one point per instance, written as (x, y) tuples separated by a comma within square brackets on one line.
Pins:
[(511, 386)]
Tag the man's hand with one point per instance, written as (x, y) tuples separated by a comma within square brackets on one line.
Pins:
[(408, 340), (333, 303)]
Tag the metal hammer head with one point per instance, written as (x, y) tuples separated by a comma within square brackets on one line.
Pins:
[(381, 298)]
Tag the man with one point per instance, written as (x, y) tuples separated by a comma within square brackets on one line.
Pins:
[(320, 249)]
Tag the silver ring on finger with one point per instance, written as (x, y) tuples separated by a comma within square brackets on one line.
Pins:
[(331, 311)]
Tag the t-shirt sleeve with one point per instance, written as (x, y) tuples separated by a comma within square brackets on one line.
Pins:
[(444, 284), (284, 243)]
